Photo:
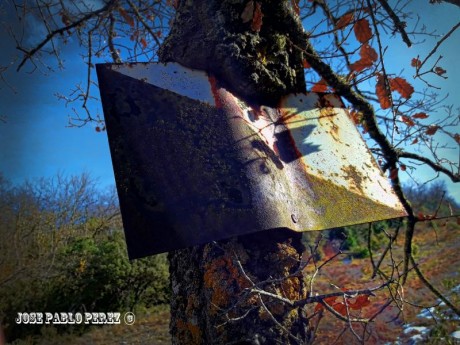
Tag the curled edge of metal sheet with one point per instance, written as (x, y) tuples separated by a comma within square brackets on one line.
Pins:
[(195, 164)]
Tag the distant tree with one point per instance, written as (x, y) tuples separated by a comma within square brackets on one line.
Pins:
[(251, 290), (432, 200), (63, 249)]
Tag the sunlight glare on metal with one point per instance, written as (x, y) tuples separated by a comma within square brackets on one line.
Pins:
[(195, 164)]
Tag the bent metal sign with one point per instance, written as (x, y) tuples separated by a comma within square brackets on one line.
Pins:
[(195, 164)]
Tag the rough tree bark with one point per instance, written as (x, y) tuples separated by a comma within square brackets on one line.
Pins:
[(207, 281)]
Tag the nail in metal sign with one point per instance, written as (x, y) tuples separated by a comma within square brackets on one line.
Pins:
[(194, 164)]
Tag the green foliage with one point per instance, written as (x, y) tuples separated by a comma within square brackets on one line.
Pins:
[(69, 255), (355, 239), (424, 199), (103, 279)]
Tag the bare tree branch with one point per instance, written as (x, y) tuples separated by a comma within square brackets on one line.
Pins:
[(400, 26), (436, 167), (28, 54)]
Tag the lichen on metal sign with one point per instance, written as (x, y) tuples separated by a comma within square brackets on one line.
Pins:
[(195, 164)]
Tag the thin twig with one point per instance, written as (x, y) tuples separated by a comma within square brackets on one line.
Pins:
[(28, 54), (446, 36), (400, 26), (431, 164), (141, 19)]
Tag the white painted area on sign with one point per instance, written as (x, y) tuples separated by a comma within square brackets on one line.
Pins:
[(333, 149), (174, 77)]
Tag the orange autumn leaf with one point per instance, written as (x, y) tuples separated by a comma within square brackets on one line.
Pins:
[(356, 117), (420, 116), (320, 86), (128, 19), (143, 43), (344, 20), (407, 120), (360, 65), (457, 138), (256, 24), (432, 130), (318, 307), (382, 92), (440, 71), (361, 302), (415, 62), (368, 53), (305, 64), (401, 86), (362, 30), (415, 141), (368, 57), (340, 308), (328, 300)]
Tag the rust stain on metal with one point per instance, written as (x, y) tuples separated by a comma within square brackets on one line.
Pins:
[(195, 164), (355, 178)]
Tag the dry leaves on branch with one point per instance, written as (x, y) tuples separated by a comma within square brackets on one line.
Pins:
[(143, 43), (432, 130), (382, 92), (420, 116), (401, 86), (356, 117), (320, 86), (440, 71), (341, 308), (344, 20), (127, 18), (368, 57), (416, 63), (407, 120), (397, 84), (362, 30)]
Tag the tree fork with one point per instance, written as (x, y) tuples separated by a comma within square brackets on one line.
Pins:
[(209, 305)]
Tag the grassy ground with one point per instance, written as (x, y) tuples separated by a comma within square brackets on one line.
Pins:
[(437, 249)]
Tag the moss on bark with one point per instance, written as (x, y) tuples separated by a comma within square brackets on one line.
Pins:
[(211, 303)]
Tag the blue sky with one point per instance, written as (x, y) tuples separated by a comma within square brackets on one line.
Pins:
[(35, 141)]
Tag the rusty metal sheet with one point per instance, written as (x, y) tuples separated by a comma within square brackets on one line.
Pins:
[(194, 164)]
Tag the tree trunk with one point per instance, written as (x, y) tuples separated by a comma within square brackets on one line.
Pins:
[(211, 303)]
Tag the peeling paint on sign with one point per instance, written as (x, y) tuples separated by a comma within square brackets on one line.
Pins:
[(194, 164)]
